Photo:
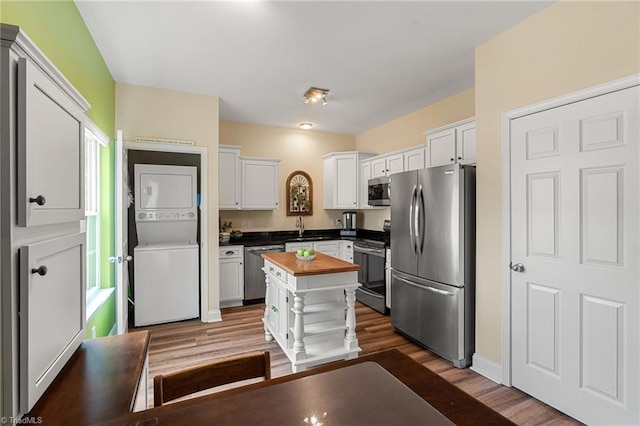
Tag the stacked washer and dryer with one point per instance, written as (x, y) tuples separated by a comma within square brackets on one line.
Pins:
[(166, 259)]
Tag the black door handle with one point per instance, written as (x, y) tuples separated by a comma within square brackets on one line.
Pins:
[(39, 200), (42, 270)]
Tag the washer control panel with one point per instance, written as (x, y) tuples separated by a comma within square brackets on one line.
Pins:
[(163, 215)]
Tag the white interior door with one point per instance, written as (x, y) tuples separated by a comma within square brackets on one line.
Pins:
[(121, 239), (575, 256)]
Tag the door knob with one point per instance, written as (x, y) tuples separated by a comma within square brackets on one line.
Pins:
[(39, 200), (517, 267), (42, 270)]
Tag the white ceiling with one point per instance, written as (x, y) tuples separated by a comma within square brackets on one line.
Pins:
[(380, 60)]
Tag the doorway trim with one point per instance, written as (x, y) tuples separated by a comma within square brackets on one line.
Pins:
[(581, 95), (205, 312)]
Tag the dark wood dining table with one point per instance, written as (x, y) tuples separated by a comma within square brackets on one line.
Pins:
[(384, 388)]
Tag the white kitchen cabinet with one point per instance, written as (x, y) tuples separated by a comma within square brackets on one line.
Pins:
[(346, 250), (229, 177), (260, 189), (415, 159), (466, 143), (328, 247), (342, 179), (387, 165), (365, 175), (231, 276), (41, 207), (454, 143)]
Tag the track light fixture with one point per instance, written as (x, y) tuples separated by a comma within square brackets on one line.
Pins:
[(315, 95)]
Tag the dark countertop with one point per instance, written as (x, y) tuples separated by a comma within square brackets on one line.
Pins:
[(252, 239)]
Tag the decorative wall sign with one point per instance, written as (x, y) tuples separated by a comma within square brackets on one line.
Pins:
[(300, 199)]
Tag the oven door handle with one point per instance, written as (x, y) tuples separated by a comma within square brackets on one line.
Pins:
[(378, 252), (370, 293)]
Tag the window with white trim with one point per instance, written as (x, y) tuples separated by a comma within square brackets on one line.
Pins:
[(94, 139)]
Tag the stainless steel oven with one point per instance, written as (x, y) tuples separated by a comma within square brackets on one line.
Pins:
[(371, 256)]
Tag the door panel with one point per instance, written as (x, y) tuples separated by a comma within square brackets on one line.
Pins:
[(50, 144), (403, 186), (575, 302), (439, 224), (52, 311)]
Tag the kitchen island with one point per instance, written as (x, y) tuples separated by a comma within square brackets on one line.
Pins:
[(310, 308)]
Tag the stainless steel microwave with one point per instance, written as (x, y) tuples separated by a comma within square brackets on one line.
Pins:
[(379, 192)]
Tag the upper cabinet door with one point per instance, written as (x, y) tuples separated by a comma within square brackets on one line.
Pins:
[(50, 151), (260, 184), (229, 191), (466, 143), (395, 164), (441, 147)]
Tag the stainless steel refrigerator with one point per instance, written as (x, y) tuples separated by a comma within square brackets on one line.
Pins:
[(433, 263)]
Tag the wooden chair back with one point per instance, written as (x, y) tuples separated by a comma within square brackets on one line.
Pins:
[(221, 371)]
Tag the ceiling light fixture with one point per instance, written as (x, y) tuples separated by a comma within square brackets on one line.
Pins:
[(315, 95), (305, 126)]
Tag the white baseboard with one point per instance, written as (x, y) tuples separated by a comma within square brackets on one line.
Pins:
[(487, 368), (213, 316)]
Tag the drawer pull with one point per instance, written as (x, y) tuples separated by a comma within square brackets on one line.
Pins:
[(39, 200), (271, 269), (42, 270), (278, 274), (229, 252)]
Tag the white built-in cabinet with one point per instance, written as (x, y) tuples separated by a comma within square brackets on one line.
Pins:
[(229, 177), (328, 247), (246, 183), (415, 159), (231, 276), (342, 189), (387, 165), (346, 250), (42, 204), (454, 143), (260, 183)]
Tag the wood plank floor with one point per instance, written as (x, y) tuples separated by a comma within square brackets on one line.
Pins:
[(178, 345)]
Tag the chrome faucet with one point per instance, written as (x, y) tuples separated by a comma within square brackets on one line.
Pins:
[(300, 226)]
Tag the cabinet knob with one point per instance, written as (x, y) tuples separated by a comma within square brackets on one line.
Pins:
[(459, 158), (42, 270), (452, 159), (39, 200)]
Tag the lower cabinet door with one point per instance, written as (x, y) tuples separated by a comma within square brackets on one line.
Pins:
[(52, 311)]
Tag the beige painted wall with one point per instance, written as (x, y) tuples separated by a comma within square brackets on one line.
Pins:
[(407, 131), (562, 49), (166, 114), (297, 150)]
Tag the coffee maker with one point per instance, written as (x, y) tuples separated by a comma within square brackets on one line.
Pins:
[(349, 224)]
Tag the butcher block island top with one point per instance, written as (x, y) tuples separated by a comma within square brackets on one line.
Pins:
[(322, 264), (310, 308)]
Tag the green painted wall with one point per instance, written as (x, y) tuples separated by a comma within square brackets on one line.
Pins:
[(59, 31), (103, 320)]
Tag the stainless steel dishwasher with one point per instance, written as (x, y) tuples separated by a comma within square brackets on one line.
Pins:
[(254, 285)]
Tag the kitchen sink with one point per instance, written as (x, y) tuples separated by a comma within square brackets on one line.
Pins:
[(310, 238)]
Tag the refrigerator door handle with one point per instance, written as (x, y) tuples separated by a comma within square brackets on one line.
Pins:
[(419, 224), (425, 287), (412, 223)]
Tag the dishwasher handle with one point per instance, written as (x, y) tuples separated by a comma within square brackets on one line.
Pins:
[(264, 249)]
